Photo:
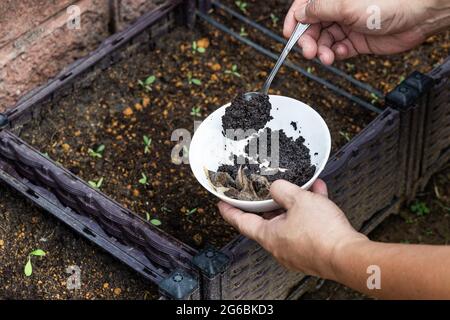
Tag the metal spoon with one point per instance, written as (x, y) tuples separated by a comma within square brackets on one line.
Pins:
[(298, 32)]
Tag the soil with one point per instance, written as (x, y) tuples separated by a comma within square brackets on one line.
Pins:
[(101, 114), (24, 228), (247, 114), (116, 112)]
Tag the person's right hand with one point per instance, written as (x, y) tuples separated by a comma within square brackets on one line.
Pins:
[(339, 28)]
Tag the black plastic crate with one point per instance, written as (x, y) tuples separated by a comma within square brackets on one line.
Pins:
[(369, 178)]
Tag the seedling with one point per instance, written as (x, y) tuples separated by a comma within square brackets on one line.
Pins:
[(350, 66), (420, 208), (191, 212), (374, 97), (143, 180), (274, 19), (243, 32), (196, 112), (147, 83), (98, 152), (196, 48), (155, 222), (96, 184), (310, 70), (242, 5), (165, 209), (28, 270), (147, 144), (346, 135), (192, 80), (233, 71)]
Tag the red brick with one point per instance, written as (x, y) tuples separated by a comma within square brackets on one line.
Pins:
[(17, 17), (127, 11), (46, 49)]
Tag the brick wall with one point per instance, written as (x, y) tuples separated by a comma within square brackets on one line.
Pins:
[(38, 38)]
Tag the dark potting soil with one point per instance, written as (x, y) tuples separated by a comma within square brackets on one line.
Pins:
[(248, 182), (247, 114), (116, 112)]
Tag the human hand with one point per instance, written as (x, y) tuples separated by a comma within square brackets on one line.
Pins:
[(304, 238), (339, 28)]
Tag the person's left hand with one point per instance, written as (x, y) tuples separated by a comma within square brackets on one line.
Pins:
[(306, 236)]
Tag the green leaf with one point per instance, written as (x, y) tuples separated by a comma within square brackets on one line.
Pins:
[(201, 50), (28, 270), (155, 222), (93, 184), (99, 183), (101, 148), (144, 179), (38, 253), (197, 82), (147, 216), (150, 80), (194, 45), (147, 140)]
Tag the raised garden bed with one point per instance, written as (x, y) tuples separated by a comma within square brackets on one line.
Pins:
[(99, 102)]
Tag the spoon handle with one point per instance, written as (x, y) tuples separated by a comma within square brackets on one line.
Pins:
[(298, 32)]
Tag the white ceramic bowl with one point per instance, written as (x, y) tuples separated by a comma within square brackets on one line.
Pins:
[(208, 144)]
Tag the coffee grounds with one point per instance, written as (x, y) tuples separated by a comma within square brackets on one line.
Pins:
[(245, 115), (294, 157), (246, 181)]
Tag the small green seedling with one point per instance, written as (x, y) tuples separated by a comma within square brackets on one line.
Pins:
[(233, 71), (346, 135), (350, 66), (28, 270), (147, 83), (243, 32), (196, 112), (196, 48), (374, 97), (310, 69), (155, 222), (274, 19), (96, 184), (191, 212), (98, 152), (192, 80), (147, 144), (420, 208), (165, 209), (242, 5), (143, 180)]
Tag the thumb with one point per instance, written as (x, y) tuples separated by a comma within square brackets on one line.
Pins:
[(321, 11), (284, 193)]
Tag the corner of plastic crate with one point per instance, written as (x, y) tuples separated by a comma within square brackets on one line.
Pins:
[(178, 285), (211, 262), (4, 121), (419, 81), (406, 94)]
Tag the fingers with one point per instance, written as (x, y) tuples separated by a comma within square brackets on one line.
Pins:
[(320, 11), (320, 187), (290, 22), (324, 52), (308, 42), (284, 193), (248, 224)]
